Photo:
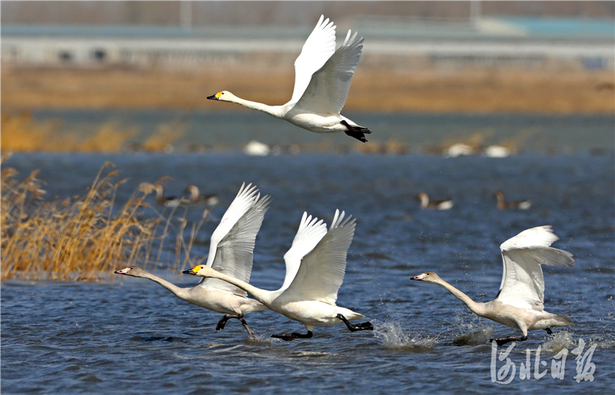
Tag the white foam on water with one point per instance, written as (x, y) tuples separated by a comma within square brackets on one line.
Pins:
[(259, 340), (559, 341), (393, 337), (480, 334)]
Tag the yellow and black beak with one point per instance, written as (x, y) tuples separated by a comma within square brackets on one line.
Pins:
[(192, 271), (215, 97)]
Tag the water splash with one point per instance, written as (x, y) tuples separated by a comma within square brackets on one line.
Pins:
[(480, 335), (558, 342), (393, 337), (259, 340)]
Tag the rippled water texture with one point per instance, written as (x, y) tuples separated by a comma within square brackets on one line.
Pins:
[(132, 336)]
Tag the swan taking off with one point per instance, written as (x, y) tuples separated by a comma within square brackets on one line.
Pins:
[(519, 304), (322, 81), (230, 251), (315, 267)]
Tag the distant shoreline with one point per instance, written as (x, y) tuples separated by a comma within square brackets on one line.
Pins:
[(454, 91)]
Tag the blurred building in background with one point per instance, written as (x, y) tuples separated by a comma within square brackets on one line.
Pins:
[(399, 35)]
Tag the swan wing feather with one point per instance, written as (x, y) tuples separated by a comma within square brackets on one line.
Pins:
[(322, 270), (318, 48), (311, 231), (328, 88), (522, 279), (232, 243)]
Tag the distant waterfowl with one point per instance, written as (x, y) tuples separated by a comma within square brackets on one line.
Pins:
[(194, 196), (497, 151), (322, 81), (167, 201), (517, 205), (230, 251), (438, 205), (315, 267), (520, 301), (256, 148), (459, 149)]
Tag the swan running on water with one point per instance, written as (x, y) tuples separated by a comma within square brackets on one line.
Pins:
[(230, 252), (519, 303), (315, 267), (322, 81)]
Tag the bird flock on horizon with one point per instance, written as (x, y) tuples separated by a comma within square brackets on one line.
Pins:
[(316, 260)]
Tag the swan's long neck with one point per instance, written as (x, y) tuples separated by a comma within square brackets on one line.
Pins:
[(276, 111), (177, 291), (477, 308), (262, 295)]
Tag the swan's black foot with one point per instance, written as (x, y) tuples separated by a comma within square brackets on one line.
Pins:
[(503, 340), (356, 132), (363, 326), (245, 325), (222, 322), (292, 336), (549, 331)]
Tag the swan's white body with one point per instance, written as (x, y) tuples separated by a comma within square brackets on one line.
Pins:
[(231, 252), (315, 267), (322, 81), (520, 302), (438, 205)]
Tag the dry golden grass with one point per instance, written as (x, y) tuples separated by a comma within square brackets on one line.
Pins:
[(373, 89), (83, 238), (21, 133)]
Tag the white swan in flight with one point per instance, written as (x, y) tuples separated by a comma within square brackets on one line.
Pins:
[(322, 81), (315, 267), (231, 252), (519, 304)]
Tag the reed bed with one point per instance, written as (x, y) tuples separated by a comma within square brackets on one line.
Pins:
[(86, 237)]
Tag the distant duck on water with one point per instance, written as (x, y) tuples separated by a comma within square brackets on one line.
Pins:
[(194, 196), (168, 201), (438, 204), (516, 205)]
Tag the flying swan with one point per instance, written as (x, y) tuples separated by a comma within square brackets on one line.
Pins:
[(519, 303), (230, 252), (322, 81), (315, 266)]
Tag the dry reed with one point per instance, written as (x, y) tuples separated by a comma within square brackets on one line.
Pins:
[(83, 238)]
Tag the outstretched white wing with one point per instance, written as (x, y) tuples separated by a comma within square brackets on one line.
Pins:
[(311, 231), (322, 270), (329, 86), (232, 243), (318, 48), (522, 280)]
